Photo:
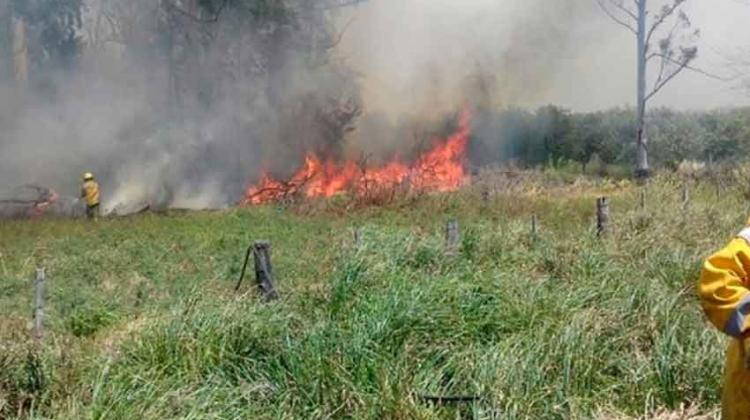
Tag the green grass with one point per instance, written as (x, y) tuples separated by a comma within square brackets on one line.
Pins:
[(142, 321)]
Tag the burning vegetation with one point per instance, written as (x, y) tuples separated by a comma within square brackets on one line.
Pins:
[(441, 168), (28, 201)]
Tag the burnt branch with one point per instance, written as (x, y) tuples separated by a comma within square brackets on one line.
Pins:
[(279, 193)]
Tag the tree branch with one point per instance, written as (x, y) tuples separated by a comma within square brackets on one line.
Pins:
[(659, 79), (694, 69), (652, 56), (624, 9), (615, 18), (666, 80), (666, 13)]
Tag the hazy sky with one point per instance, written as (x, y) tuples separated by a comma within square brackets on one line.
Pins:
[(417, 54)]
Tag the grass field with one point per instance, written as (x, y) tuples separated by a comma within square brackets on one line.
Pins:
[(142, 320)]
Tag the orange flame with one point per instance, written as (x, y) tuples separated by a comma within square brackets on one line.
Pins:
[(442, 168)]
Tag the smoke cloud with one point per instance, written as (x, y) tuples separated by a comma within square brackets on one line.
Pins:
[(426, 55), (175, 112), (168, 108)]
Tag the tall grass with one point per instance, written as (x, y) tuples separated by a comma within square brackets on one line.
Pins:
[(144, 324)]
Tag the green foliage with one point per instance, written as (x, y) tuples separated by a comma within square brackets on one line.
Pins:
[(552, 135)]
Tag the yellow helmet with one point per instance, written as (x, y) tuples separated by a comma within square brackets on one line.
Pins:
[(88, 176)]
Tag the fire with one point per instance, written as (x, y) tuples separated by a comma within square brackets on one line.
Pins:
[(442, 168)]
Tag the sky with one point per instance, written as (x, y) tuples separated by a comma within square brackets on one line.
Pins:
[(417, 55)]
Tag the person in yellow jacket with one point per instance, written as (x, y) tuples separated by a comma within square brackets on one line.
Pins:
[(724, 290), (90, 192)]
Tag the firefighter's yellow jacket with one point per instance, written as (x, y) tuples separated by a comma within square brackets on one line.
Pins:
[(90, 192), (724, 290)]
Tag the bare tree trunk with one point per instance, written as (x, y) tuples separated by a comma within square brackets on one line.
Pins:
[(641, 169), (20, 52), (673, 54)]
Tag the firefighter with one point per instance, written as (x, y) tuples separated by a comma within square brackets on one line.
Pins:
[(724, 290), (90, 192)]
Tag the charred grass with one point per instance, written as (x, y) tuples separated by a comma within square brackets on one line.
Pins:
[(142, 321)]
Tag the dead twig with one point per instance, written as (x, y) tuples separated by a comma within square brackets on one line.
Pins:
[(439, 399)]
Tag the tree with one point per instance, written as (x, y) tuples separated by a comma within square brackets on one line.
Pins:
[(44, 35), (19, 50), (677, 137), (665, 39), (13, 43), (554, 126)]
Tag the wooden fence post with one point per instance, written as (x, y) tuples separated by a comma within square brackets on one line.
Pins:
[(643, 198), (602, 216), (358, 238), (452, 237), (685, 194), (261, 251), (39, 305), (534, 226), (264, 270)]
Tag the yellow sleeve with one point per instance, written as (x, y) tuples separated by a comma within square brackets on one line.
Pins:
[(723, 287)]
